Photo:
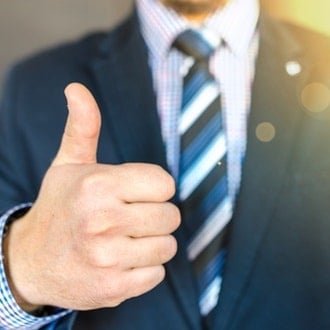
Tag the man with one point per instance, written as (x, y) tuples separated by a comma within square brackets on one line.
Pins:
[(97, 235)]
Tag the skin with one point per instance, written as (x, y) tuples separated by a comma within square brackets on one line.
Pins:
[(97, 234)]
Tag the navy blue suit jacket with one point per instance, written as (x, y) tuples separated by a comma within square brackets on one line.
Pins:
[(278, 271)]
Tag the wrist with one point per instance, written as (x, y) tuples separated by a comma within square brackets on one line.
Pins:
[(28, 307)]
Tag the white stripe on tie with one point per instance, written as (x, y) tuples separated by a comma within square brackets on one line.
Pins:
[(210, 297), (203, 165), (211, 228), (197, 105)]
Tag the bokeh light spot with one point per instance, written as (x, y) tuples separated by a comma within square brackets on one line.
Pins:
[(265, 132), (293, 68), (315, 97)]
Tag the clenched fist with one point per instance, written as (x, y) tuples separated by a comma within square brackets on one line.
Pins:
[(97, 234)]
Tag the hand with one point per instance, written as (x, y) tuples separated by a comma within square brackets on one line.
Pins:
[(97, 234)]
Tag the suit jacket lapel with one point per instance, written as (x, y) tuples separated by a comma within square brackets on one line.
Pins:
[(125, 89), (274, 102)]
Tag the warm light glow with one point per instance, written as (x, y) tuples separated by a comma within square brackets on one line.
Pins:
[(316, 97), (314, 14)]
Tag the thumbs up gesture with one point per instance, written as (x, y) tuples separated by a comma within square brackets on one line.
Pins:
[(97, 234)]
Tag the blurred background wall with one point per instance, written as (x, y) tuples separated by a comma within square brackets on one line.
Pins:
[(314, 14), (30, 25)]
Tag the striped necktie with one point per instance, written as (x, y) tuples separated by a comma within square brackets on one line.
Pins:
[(205, 205)]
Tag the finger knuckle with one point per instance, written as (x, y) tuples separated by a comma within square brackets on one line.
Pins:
[(155, 275), (89, 183), (175, 216), (167, 249), (168, 186), (99, 256), (166, 183), (110, 290), (86, 227), (159, 274), (116, 292), (172, 246)]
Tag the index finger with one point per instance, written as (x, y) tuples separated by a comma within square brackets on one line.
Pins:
[(142, 182)]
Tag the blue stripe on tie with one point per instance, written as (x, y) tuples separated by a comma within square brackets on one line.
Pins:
[(208, 205), (194, 85), (213, 269), (200, 142)]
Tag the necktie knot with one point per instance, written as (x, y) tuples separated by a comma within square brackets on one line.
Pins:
[(193, 43)]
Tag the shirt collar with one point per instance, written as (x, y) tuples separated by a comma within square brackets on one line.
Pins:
[(159, 25), (235, 24)]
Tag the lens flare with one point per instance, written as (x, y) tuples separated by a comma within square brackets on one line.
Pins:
[(315, 97), (265, 132)]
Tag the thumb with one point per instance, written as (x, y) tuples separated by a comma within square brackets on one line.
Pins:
[(81, 134)]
